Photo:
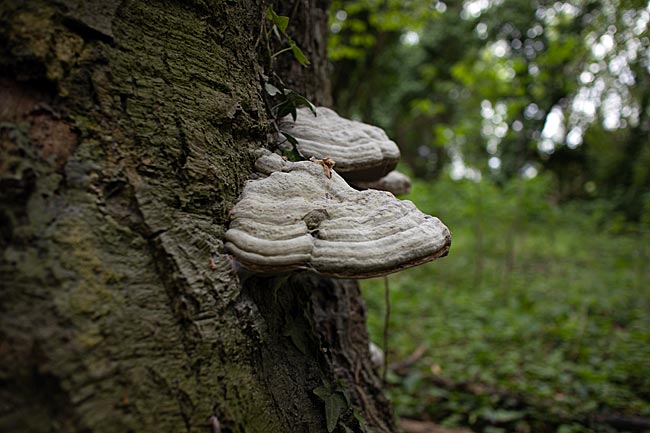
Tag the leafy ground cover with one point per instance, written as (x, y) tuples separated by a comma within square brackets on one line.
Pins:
[(537, 321)]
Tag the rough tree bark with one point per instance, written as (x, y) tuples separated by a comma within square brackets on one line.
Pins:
[(127, 131)]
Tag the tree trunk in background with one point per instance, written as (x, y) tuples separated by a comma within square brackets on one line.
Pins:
[(308, 26), (127, 132)]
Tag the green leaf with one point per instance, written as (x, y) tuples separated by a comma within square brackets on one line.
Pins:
[(358, 417), (335, 405), (290, 138), (297, 53), (501, 415), (286, 107), (299, 100), (281, 21), (306, 102), (360, 420), (272, 90), (296, 332), (277, 33), (293, 155)]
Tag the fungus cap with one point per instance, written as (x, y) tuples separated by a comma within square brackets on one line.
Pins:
[(361, 152), (298, 218), (395, 182)]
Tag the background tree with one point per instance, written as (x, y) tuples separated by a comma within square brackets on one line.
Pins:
[(506, 88), (519, 120), (128, 130)]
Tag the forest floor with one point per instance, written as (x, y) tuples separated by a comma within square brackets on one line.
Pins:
[(537, 321)]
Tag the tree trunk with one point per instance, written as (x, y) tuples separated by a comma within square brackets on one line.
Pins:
[(308, 26), (127, 132)]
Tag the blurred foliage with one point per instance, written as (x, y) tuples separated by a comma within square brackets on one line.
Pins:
[(526, 126), (500, 88), (537, 321)]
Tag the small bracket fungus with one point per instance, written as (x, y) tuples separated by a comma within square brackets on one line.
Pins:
[(377, 356), (361, 152), (299, 218), (395, 182)]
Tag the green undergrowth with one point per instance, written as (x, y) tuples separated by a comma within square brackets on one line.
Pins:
[(537, 321)]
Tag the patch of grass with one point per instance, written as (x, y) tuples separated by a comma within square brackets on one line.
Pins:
[(538, 320)]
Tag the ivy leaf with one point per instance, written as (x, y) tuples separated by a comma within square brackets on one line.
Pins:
[(298, 100), (297, 53), (335, 404), (284, 108), (293, 155), (360, 420), (281, 21), (271, 89), (358, 417), (277, 33), (301, 100), (287, 108), (290, 138), (297, 335)]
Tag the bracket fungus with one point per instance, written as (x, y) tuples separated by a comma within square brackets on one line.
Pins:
[(362, 152), (299, 218), (395, 182)]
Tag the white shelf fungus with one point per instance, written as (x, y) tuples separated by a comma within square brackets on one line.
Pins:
[(395, 182), (361, 152), (298, 218)]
